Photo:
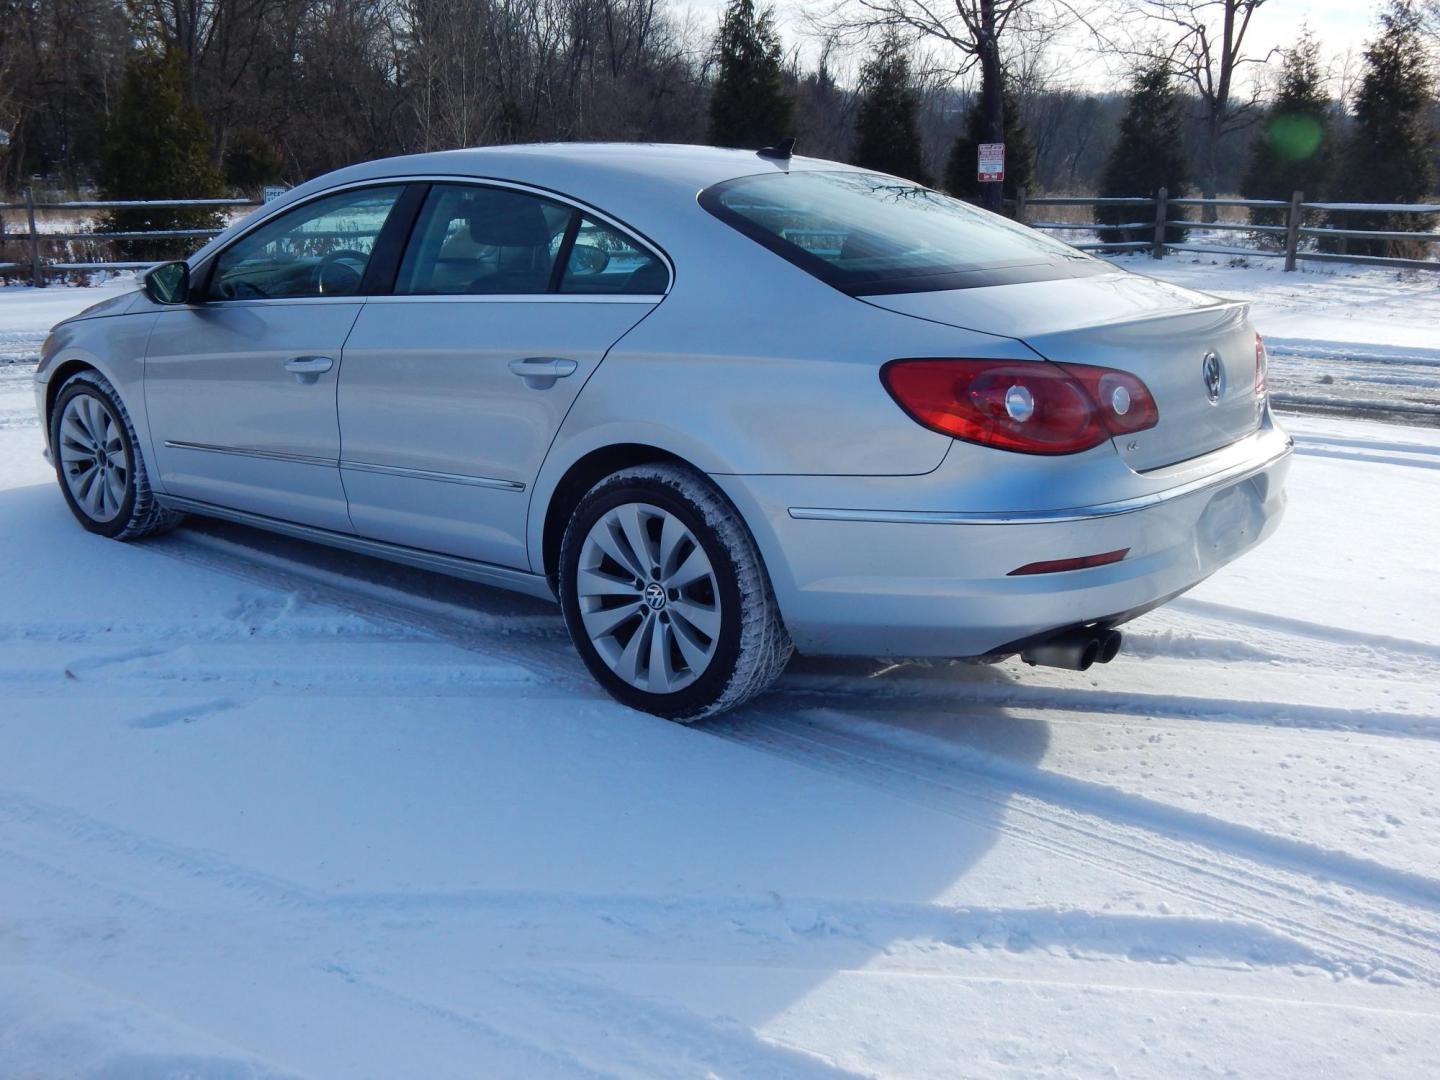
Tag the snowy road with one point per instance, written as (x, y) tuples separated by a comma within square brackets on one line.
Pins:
[(271, 811)]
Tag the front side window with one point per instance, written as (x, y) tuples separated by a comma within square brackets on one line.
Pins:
[(483, 240), (319, 249), (869, 234)]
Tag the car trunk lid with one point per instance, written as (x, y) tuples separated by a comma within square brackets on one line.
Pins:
[(1162, 333)]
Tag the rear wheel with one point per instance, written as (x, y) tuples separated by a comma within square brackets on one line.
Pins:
[(98, 462), (666, 597)]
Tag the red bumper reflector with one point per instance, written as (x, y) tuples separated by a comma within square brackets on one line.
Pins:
[(1055, 566)]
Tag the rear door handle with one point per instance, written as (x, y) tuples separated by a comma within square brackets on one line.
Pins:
[(307, 369), (540, 372)]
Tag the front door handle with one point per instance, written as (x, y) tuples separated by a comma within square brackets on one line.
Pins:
[(307, 369), (540, 372)]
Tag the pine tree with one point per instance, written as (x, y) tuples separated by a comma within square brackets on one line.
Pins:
[(157, 146), (1293, 151), (251, 162), (962, 165), (887, 129), (1387, 157), (1147, 156), (748, 107)]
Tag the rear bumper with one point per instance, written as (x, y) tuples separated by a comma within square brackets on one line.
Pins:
[(935, 583)]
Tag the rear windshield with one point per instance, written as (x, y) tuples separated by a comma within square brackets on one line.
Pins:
[(869, 234)]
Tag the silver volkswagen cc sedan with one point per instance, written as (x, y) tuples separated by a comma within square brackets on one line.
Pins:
[(721, 404)]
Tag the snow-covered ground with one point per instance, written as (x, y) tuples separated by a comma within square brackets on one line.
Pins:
[(270, 811)]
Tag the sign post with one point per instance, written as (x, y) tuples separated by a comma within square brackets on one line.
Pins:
[(991, 168)]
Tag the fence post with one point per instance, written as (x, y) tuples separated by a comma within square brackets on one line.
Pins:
[(1162, 214), (1020, 205), (37, 272), (1292, 229)]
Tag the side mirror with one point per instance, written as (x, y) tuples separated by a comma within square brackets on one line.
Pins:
[(168, 283)]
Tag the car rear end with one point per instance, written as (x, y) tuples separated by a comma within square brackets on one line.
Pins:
[(1130, 456)]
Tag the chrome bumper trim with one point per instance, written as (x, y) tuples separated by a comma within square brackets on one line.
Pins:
[(1241, 471)]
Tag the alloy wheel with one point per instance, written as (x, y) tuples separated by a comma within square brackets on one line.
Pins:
[(93, 459), (648, 598)]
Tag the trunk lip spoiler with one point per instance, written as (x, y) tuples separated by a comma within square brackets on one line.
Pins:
[(1242, 470)]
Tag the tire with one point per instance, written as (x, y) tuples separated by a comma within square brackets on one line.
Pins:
[(98, 462), (721, 640)]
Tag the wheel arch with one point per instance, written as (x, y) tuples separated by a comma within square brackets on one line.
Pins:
[(583, 474), (58, 378)]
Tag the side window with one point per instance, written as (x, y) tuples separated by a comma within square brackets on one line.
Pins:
[(482, 240), (319, 249), (604, 260)]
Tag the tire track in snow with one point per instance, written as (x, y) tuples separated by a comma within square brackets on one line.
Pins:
[(1356, 935), (1240, 886)]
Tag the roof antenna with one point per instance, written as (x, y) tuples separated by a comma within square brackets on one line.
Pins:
[(780, 151)]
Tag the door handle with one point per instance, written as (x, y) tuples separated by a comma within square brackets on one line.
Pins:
[(307, 369), (540, 372)]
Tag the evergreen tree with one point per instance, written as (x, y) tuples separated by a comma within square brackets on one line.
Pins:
[(1387, 157), (157, 147), (1147, 156), (962, 165), (887, 128), (748, 107), (251, 162), (1293, 151)]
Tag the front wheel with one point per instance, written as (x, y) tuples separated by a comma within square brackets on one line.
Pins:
[(666, 597), (99, 464)]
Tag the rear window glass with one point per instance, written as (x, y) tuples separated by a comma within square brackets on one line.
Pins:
[(869, 234)]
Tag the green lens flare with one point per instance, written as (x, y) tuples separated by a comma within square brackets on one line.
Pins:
[(1294, 138)]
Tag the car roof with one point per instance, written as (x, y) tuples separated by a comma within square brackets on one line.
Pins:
[(598, 163), (649, 187)]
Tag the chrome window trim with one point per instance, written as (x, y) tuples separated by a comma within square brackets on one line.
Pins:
[(444, 178), (514, 298), (249, 452), (1243, 471), (427, 474)]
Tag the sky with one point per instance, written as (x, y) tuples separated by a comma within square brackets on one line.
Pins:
[(1341, 25)]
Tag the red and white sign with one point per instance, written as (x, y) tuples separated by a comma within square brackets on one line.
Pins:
[(992, 162)]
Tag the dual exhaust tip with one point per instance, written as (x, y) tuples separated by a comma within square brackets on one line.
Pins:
[(1076, 650)]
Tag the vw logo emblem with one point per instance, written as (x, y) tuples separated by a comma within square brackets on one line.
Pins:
[(654, 596), (1213, 372)]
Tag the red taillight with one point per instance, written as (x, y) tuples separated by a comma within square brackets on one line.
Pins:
[(1262, 366), (1032, 407)]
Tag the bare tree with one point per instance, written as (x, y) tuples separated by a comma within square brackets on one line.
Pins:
[(1202, 43), (980, 32)]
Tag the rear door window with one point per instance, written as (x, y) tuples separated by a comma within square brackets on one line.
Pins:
[(483, 240), (604, 260)]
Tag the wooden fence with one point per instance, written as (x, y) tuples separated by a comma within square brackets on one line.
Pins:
[(1157, 218), (1155, 215), (35, 241)]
